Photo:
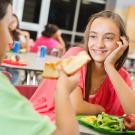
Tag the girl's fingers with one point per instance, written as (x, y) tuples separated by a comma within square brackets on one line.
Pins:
[(123, 44), (119, 44), (121, 48), (76, 75), (125, 41), (61, 71)]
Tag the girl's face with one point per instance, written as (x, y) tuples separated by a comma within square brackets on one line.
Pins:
[(103, 37), (13, 24)]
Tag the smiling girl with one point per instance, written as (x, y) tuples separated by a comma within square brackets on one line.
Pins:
[(104, 84)]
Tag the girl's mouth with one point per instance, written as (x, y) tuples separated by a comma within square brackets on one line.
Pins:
[(99, 51)]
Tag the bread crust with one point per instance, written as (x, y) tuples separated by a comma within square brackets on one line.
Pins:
[(70, 65)]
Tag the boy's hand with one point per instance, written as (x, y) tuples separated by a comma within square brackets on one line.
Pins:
[(68, 83)]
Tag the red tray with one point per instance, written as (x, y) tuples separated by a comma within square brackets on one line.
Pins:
[(15, 63)]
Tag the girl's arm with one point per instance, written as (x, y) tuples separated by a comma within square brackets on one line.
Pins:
[(59, 38), (26, 35), (125, 93), (81, 106)]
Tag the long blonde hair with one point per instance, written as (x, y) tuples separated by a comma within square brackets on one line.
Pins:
[(119, 22)]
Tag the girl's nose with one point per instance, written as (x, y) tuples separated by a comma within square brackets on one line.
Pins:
[(100, 43)]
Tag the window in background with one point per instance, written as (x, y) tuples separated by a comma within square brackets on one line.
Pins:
[(79, 39), (31, 11), (33, 34), (62, 13), (32, 14), (66, 37), (87, 8), (72, 16)]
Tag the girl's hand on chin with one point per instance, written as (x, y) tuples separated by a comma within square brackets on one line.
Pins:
[(117, 53)]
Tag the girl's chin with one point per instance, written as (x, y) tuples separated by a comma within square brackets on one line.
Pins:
[(99, 58), (99, 61)]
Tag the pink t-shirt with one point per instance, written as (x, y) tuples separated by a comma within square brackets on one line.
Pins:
[(106, 95), (50, 43)]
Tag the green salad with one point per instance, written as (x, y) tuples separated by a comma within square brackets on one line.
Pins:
[(109, 122)]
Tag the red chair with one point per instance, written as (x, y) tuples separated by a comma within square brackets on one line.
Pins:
[(27, 90)]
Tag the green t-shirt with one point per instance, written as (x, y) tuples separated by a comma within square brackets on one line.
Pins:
[(17, 117)]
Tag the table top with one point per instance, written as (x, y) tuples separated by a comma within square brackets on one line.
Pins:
[(88, 131), (34, 62)]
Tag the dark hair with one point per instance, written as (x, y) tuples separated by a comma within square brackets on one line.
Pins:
[(3, 7), (14, 32), (50, 30), (118, 20)]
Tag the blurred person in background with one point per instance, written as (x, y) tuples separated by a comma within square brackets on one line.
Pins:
[(19, 35), (23, 37), (52, 39), (17, 116)]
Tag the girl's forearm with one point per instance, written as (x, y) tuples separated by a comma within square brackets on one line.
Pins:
[(124, 92), (88, 108), (61, 41)]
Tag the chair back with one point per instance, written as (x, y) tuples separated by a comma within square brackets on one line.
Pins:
[(27, 90)]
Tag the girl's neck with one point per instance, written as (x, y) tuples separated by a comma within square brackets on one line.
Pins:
[(98, 76), (98, 68)]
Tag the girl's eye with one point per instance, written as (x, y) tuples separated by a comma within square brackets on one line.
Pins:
[(92, 36), (109, 38)]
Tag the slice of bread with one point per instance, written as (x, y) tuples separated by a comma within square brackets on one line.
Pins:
[(74, 63), (50, 70), (70, 65)]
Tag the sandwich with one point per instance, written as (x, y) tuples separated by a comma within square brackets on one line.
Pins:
[(70, 65)]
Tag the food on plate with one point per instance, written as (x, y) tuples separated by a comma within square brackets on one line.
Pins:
[(129, 121), (70, 65), (105, 121), (110, 124), (14, 60), (89, 119), (24, 50), (17, 57)]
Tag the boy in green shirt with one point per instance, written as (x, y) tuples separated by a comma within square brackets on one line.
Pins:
[(17, 117)]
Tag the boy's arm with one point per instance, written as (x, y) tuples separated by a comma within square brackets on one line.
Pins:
[(65, 116)]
